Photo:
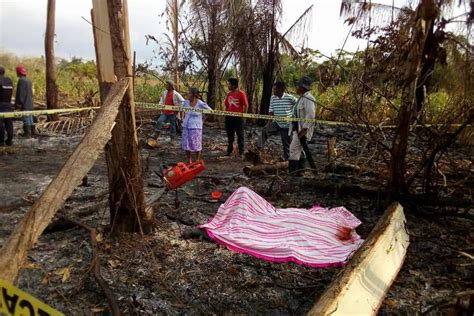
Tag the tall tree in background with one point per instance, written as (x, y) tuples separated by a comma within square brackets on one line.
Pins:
[(51, 86), (426, 33), (427, 13), (269, 42), (210, 24)]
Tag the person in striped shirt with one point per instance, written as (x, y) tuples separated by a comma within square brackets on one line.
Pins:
[(281, 104)]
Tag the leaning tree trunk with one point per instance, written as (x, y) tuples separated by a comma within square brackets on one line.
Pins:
[(51, 86), (126, 197), (426, 14)]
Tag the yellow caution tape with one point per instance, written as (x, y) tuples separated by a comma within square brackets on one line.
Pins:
[(156, 106), (235, 114), (15, 302), (44, 112)]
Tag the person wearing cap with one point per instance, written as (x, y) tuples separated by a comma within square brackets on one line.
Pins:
[(6, 124), (192, 126), (170, 97), (24, 100), (235, 101), (301, 131), (281, 105)]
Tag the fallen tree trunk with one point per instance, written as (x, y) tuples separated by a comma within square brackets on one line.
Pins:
[(352, 185), (361, 287), (262, 169), (27, 232)]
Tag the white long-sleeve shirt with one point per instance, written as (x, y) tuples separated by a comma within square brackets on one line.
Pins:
[(305, 108)]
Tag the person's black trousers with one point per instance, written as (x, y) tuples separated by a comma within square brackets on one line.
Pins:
[(6, 124), (234, 125)]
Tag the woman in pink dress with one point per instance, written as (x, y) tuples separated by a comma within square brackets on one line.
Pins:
[(192, 125)]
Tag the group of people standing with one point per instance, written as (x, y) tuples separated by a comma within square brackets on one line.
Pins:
[(282, 105), (23, 102)]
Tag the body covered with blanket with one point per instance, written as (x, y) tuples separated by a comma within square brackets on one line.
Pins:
[(315, 237)]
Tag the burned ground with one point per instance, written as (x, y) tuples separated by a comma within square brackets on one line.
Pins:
[(162, 273)]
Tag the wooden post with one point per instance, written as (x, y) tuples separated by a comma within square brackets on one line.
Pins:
[(51, 86), (331, 150), (114, 61)]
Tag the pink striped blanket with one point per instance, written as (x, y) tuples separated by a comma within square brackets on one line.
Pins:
[(315, 237)]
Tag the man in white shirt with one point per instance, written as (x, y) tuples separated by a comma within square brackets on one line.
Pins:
[(169, 97), (281, 105), (301, 131)]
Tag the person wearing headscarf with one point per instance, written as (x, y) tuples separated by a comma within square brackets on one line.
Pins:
[(24, 99), (192, 125), (305, 108), (6, 124), (170, 97)]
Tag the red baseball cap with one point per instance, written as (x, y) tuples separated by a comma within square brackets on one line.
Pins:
[(21, 70)]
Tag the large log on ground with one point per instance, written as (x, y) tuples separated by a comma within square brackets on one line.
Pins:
[(361, 287), (28, 230), (262, 169)]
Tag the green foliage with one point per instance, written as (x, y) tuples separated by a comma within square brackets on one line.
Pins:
[(436, 104), (148, 90), (76, 78), (34, 66)]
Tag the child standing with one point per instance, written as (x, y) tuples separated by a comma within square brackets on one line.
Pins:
[(192, 125)]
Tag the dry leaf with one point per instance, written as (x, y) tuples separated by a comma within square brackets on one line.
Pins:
[(64, 272), (31, 265), (391, 303), (45, 279), (99, 237), (97, 310), (114, 263)]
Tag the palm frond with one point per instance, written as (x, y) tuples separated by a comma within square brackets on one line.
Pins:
[(363, 12), (66, 125), (298, 32), (286, 47)]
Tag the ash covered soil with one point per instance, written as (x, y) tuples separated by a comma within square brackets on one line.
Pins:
[(162, 273)]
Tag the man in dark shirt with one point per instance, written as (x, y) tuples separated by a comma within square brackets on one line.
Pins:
[(24, 100), (6, 124)]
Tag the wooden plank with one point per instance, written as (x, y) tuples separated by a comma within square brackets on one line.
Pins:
[(361, 287), (28, 230), (102, 41)]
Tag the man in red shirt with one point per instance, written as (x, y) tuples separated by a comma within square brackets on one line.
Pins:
[(236, 101), (169, 97)]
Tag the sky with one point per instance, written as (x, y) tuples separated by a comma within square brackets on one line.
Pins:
[(23, 22)]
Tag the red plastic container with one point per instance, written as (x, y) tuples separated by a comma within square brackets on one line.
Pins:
[(216, 195), (182, 173)]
